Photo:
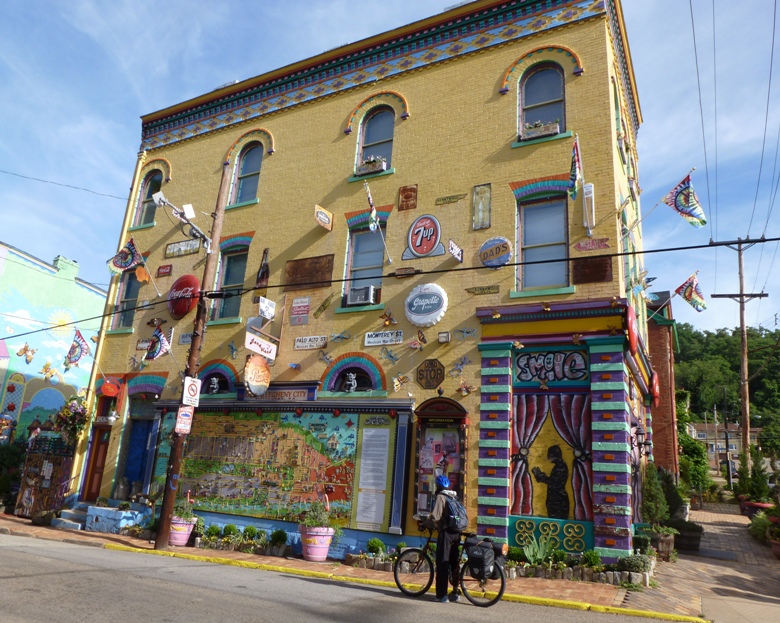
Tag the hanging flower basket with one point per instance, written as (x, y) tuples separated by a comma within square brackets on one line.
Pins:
[(538, 130), (71, 419), (372, 165)]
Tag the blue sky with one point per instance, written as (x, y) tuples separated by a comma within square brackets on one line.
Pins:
[(77, 76)]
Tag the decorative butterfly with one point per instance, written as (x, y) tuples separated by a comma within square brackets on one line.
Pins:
[(48, 371), (156, 322), (296, 366), (387, 317), (576, 338), (388, 354), (462, 334), (465, 389), (543, 384), (325, 357), (421, 337), (415, 345), (27, 352), (457, 368), (399, 381), (338, 337)]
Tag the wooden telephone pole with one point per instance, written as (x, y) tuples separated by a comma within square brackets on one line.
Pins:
[(193, 361), (740, 246)]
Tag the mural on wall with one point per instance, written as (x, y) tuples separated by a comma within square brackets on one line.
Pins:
[(271, 465), (552, 472)]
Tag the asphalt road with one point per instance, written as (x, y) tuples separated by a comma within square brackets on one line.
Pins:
[(54, 582)]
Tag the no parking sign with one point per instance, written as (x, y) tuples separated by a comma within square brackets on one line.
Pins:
[(184, 420), (191, 394)]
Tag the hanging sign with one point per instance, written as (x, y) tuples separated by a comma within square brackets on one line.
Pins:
[(191, 394), (383, 338), (184, 420), (260, 346), (183, 296), (455, 251), (257, 375), (424, 238), (323, 217), (110, 388), (426, 305), (267, 308), (496, 252)]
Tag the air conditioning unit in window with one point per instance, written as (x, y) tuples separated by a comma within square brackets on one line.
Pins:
[(361, 296)]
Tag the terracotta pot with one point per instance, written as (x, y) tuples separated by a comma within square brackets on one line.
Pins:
[(775, 548), (752, 508), (316, 542)]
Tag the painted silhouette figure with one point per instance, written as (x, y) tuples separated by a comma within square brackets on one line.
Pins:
[(557, 498)]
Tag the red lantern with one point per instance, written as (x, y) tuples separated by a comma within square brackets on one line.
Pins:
[(299, 412), (11, 388)]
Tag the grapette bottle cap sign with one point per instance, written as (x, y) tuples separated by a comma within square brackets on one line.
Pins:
[(183, 296), (426, 305)]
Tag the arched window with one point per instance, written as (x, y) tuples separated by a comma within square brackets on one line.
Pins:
[(353, 380), (144, 214), (377, 137), (542, 100), (248, 173)]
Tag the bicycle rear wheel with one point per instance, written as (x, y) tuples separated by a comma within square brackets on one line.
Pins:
[(413, 572), (482, 593)]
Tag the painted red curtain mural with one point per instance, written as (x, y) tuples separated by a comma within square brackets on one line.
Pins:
[(530, 413), (571, 416)]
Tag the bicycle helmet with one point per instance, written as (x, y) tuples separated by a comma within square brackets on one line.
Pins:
[(442, 482)]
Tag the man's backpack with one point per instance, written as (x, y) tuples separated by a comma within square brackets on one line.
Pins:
[(455, 515), (482, 560)]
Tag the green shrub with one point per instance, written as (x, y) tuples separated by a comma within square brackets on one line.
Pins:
[(654, 507), (516, 554), (213, 531), (230, 530), (638, 563), (641, 543), (401, 545), (538, 551), (683, 526), (559, 555), (250, 532), (673, 498), (123, 506), (758, 526), (375, 546), (262, 538), (200, 527), (278, 537), (590, 558)]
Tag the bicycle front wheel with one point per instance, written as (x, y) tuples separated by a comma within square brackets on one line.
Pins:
[(413, 572), (483, 593)]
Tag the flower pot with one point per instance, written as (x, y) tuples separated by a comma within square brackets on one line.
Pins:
[(688, 541), (180, 531), (775, 548), (316, 542), (752, 508), (547, 129), (742, 499), (774, 518), (663, 543), (372, 167)]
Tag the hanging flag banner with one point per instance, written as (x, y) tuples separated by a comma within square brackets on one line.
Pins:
[(78, 349), (128, 256), (691, 293), (684, 201), (323, 217), (159, 345), (575, 176)]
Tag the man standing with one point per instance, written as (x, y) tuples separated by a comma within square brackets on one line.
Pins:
[(447, 543)]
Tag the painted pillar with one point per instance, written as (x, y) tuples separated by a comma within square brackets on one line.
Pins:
[(495, 421), (611, 448)]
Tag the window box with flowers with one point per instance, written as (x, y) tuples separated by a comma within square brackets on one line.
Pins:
[(71, 419), (538, 130), (372, 164)]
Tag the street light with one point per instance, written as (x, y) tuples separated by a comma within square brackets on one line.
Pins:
[(185, 214)]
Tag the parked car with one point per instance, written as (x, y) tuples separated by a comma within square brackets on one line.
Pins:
[(733, 463)]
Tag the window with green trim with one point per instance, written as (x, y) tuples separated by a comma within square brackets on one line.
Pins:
[(544, 239), (248, 173), (145, 211), (377, 138), (231, 283), (129, 288), (364, 267), (542, 101)]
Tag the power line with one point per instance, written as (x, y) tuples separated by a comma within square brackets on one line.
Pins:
[(86, 190)]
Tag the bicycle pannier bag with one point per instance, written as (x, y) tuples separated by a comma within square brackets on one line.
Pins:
[(482, 560)]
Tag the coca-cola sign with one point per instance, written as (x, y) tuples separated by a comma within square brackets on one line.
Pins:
[(183, 296)]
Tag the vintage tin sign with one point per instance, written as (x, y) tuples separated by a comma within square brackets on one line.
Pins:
[(384, 338), (496, 252), (426, 305), (257, 375), (183, 296), (323, 217), (424, 238)]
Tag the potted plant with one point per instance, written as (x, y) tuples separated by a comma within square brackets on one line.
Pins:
[(372, 164), (538, 129), (688, 537), (654, 511), (182, 522), (278, 542), (317, 531), (773, 534)]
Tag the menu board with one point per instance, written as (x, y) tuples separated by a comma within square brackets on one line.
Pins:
[(376, 444)]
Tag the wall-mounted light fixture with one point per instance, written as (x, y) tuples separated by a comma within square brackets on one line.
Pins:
[(638, 441), (444, 337)]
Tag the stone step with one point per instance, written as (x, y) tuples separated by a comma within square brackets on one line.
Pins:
[(79, 516), (66, 524)]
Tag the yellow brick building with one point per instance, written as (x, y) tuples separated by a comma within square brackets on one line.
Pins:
[(462, 128)]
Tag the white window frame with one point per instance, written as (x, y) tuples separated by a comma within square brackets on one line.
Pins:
[(146, 205), (524, 249), (223, 307), (351, 271), (240, 176)]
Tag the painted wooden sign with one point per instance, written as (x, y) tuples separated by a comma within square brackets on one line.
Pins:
[(496, 252), (426, 305), (384, 338), (323, 217), (183, 296), (257, 375), (308, 272), (185, 247), (430, 373), (483, 289), (260, 346), (407, 197), (424, 238)]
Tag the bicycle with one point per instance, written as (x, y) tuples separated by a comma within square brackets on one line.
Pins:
[(414, 571)]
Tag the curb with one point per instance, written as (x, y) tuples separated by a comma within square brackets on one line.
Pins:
[(536, 601)]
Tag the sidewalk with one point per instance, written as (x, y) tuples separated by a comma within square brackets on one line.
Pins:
[(736, 580)]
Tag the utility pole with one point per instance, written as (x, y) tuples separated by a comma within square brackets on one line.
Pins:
[(193, 360), (729, 475), (739, 246)]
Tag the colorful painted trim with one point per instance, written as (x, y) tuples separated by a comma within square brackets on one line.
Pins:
[(451, 38), (152, 383), (365, 362), (571, 536), (220, 366), (538, 55), (236, 241), (540, 187), (376, 99), (359, 219), (260, 134), (158, 163)]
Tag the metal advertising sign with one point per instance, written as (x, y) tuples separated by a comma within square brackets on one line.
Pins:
[(426, 305), (310, 342), (257, 375), (424, 238), (455, 251), (267, 308), (183, 296), (430, 373), (299, 311), (496, 252), (384, 338), (323, 217)]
